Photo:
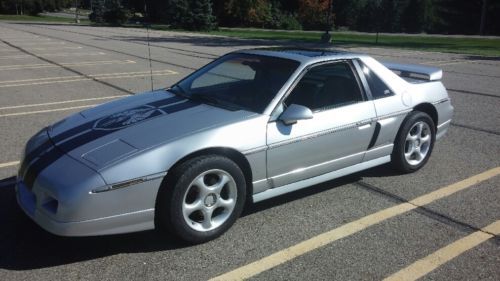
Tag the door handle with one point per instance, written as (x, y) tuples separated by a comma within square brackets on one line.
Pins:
[(362, 126)]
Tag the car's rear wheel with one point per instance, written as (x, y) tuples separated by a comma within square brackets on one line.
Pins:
[(202, 198), (414, 142)]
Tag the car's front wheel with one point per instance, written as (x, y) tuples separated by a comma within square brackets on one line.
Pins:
[(203, 198), (414, 142)]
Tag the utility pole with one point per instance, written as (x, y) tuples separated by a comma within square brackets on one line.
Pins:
[(483, 17), (327, 37), (76, 12)]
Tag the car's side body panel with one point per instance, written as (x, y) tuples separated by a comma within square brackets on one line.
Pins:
[(333, 139)]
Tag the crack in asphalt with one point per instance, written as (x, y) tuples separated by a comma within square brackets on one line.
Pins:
[(474, 128), (423, 210), (473, 93)]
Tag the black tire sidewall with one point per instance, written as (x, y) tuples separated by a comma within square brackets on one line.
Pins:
[(171, 215), (398, 158)]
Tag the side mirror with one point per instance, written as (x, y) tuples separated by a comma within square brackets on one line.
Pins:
[(294, 113)]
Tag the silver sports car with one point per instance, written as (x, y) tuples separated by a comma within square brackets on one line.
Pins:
[(250, 125)]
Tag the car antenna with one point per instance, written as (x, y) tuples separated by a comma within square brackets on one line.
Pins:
[(149, 46)]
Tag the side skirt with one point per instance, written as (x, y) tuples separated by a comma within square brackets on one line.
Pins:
[(270, 193)]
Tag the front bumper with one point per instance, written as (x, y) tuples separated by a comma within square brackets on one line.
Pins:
[(34, 205)]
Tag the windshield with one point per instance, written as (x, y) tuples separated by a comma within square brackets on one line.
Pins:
[(238, 81)]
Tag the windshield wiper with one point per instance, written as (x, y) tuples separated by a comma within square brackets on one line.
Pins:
[(214, 101), (205, 98)]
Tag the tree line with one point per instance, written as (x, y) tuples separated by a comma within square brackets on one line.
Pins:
[(32, 7), (409, 16)]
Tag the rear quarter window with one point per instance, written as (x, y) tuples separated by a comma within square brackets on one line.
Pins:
[(377, 87)]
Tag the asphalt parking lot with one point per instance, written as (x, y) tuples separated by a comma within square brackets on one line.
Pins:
[(441, 223)]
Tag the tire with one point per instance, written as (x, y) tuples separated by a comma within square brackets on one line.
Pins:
[(414, 142), (201, 199)]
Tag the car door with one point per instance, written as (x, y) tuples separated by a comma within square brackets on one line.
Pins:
[(336, 137)]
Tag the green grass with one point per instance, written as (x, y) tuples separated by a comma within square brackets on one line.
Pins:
[(473, 46), (462, 45), (40, 18)]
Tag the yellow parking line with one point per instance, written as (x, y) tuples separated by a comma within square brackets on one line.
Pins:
[(91, 75), (68, 79), (9, 164), (60, 102), (54, 55), (343, 231), (41, 43), (29, 39), (43, 49), (25, 37), (84, 79), (47, 110), (47, 65), (423, 266)]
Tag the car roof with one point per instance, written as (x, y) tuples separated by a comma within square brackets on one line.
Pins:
[(303, 55)]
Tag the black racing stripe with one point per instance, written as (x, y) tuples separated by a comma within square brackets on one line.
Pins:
[(29, 157), (72, 143), (89, 125), (83, 139), (48, 158)]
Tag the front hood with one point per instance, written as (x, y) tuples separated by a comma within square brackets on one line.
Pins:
[(115, 130)]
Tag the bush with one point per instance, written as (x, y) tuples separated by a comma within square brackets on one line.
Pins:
[(289, 22), (117, 16)]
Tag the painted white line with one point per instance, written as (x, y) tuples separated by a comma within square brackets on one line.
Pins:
[(54, 55), (48, 65), (47, 110), (351, 228), (9, 164), (423, 266), (61, 102)]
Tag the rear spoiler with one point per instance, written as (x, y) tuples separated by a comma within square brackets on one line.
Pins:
[(415, 71)]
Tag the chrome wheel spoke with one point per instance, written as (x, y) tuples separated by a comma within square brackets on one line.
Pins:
[(207, 218), (418, 154), (226, 203), (203, 188), (420, 126), (189, 209), (217, 188), (411, 137), (409, 154), (425, 139)]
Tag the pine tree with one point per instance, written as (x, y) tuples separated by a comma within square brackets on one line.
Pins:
[(199, 16)]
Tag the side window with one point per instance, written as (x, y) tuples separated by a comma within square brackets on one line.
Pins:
[(326, 86), (378, 88)]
